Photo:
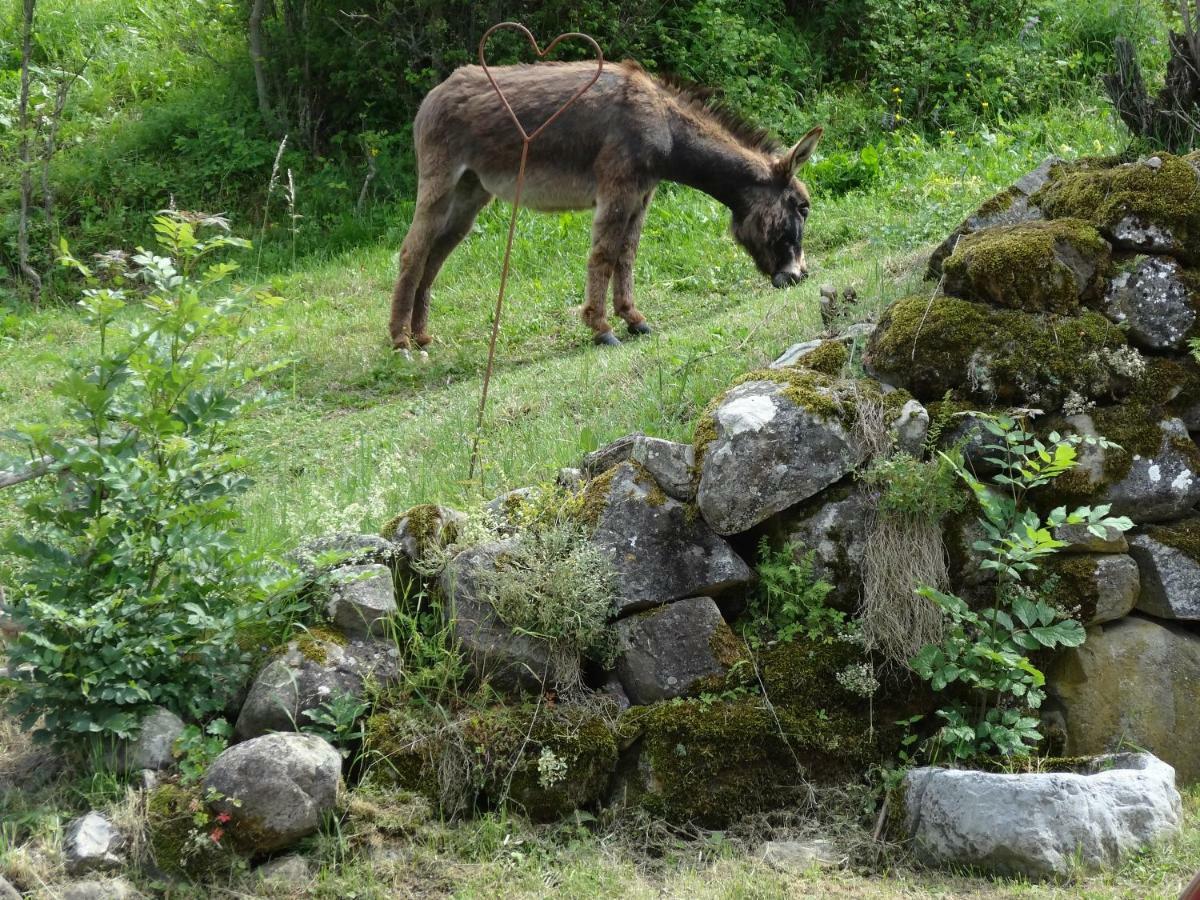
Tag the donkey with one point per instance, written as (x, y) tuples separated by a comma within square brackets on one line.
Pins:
[(608, 151)]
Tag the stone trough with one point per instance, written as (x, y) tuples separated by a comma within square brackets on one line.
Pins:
[(1044, 824)]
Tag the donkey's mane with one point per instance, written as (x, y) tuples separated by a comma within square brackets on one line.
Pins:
[(708, 102)]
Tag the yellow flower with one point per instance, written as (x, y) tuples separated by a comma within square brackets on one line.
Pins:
[(984, 104)]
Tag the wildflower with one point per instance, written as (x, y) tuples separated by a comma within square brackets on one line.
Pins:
[(216, 834), (223, 818)]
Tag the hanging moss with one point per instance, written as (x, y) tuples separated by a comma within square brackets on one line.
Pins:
[(944, 344), (1036, 266), (1167, 197)]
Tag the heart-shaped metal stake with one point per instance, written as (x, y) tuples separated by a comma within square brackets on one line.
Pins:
[(527, 137)]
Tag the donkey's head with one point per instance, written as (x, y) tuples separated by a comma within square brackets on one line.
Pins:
[(771, 224)]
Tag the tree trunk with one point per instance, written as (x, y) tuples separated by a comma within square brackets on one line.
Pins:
[(257, 57), (27, 271)]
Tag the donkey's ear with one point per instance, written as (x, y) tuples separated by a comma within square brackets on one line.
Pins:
[(787, 164)]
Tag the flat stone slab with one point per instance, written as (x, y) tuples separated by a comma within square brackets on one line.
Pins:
[(1042, 825)]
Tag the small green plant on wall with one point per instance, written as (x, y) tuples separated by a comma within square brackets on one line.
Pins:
[(985, 653), (133, 581)]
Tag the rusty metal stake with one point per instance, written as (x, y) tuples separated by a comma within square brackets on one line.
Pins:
[(527, 138)]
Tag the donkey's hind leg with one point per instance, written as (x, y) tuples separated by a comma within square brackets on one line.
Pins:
[(468, 199), (622, 282), (434, 197)]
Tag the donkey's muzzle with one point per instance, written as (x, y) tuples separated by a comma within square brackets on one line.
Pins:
[(787, 278)]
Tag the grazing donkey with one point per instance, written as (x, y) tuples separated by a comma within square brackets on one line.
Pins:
[(609, 151)]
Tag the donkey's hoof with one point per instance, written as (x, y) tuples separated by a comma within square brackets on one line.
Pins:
[(423, 339), (607, 339), (640, 328)]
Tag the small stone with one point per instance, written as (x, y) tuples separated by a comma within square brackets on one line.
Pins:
[(1080, 540), (1170, 574), (1154, 162), (671, 465), (570, 478), (796, 857), (505, 509), (291, 871), (112, 889), (600, 461), (666, 651), (1154, 302), (362, 600), (911, 427), (7, 891), (283, 785), (92, 843)]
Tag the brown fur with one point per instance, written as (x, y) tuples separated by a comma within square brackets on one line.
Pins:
[(608, 151)]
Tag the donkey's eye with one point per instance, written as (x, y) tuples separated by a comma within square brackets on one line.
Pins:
[(804, 209)]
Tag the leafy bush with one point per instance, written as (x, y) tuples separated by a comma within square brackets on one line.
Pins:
[(134, 579), (789, 600), (986, 651)]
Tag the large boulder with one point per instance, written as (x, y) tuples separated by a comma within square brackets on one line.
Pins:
[(275, 789), (313, 669), (773, 441), (1157, 301), (671, 465), (1038, 267), (362, 600), (673, 650), (1132, 682), (1169, 557), (1140, 206), (660, 548), (1153, 475), (92, 843), (934, 345), (1094, 587), (1042, 824), (495, 653)]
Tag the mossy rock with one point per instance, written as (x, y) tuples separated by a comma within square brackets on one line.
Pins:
[(1173, 383), (828, 358), (1037, 266), (1135, 205), (938, 345), (545, 760), (178, 845), (1092, 587)]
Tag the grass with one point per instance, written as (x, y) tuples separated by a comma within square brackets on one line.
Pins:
[(358, 433)]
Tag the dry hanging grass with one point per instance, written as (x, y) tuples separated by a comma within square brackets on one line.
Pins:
[(901, 553)]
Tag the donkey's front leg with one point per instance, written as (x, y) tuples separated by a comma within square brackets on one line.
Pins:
[(622, 285), (609, 228)]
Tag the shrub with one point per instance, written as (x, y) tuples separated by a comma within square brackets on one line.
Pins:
[(789, 600), (134, 580)]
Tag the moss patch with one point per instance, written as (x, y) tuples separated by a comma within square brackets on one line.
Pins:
[(1075, 588), (314, 643), (829, 358), (1036, 267), (944, 344), (180, 846), (655, 495), (1183, 536), (1167, 197), (593, 500)]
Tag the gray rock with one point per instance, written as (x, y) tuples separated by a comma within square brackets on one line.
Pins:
[(1134, 233), (111, 889), (362, 599), (1104, 585), (1042, 824), (424, 528), (153, 747), (344, 548), (661, 550), (1133, 682), (1080, 540), (671, 465), (1157, 488), (833, 527), (494, 652), (1013, 208), (7, 891), (666, 651), (796, 352), (1170, 576), (859, 331), (283, 785), (503, 509), (570, 478), (911, 427), (797, 857), (1154, 302), (310, 672), (770, 453), (613, 690), (286, 871), (92, 843), (599, 461)]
